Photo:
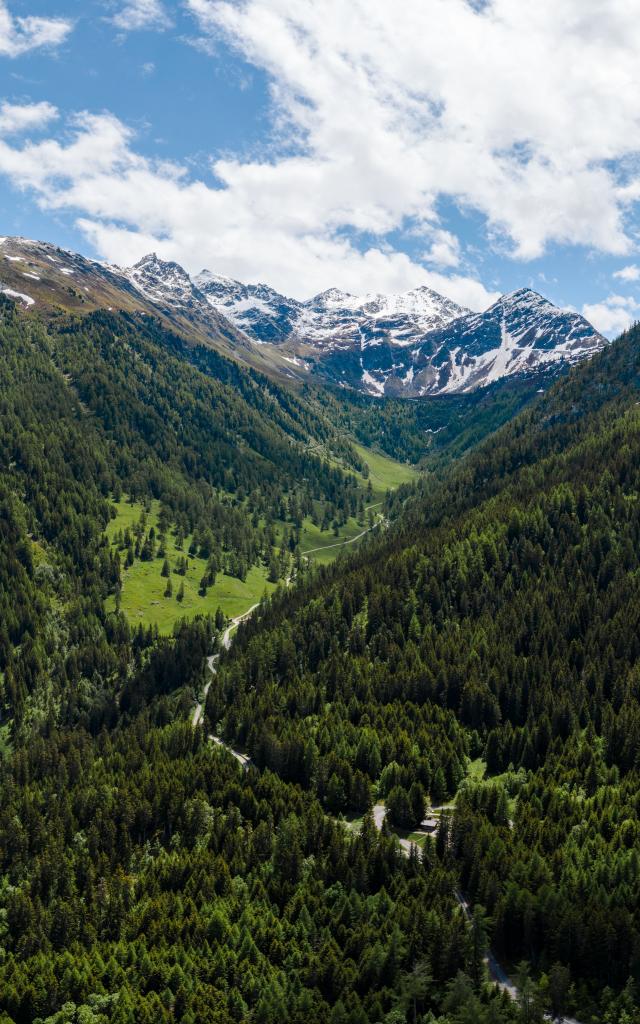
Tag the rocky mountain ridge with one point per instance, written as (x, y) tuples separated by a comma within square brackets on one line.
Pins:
[(409, 345)]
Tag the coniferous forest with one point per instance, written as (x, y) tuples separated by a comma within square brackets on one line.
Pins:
[(479, 655)]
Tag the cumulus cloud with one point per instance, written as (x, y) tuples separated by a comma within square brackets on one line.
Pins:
[(444, 250), (141, 14), (498, 105), (23, 117), (629, 273), (526, 113), (248, 225), (19, 35), (612, 315)]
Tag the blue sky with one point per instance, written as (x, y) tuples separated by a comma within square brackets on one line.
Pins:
[(355, 143)]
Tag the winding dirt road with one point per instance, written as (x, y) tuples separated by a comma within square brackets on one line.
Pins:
[(341, 543), (212, 661)]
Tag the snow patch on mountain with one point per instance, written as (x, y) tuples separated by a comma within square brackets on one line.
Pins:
[(262, 313), (411, 344), (20, 296), (522, 333), (160, 281)]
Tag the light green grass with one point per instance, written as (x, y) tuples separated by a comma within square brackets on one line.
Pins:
[(352, 822), (386, 474), (142, 598), (419, 838), (330, 545), (127, 515), (476, 770)]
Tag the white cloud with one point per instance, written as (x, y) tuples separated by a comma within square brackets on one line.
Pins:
[(630, 273), (514, 109), (141, 14), (254, 225), (20, 35), (24, 117), (612, 315), (444, 251), (526, 113)]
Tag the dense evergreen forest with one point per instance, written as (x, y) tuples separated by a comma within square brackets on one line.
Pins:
[(436, 429), (106, 405), (144, 875), (500, 619)]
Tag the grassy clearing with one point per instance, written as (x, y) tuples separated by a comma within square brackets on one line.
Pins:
[(330, 546), (418, 837), (143, 598), (386, 474), (353, 821), (143, 586), (476, 770)]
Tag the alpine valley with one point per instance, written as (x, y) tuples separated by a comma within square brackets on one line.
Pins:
[(319, 654)]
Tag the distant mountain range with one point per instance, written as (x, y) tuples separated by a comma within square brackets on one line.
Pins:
[(408, 345), (414, 343)]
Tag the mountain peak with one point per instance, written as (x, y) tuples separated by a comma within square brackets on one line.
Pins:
[(162, 281), (410, 343), (152, 263), (523, 296), (332, 298), (210, 277)]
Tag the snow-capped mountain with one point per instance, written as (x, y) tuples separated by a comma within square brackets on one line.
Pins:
[(519, 335), (262, 313), (333, 319), (411, 344), (165, 283), (169, 288)]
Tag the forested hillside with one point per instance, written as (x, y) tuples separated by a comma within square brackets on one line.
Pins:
[(108, 405), (143, 877), (501, 620), (435, 429), (490, 631)]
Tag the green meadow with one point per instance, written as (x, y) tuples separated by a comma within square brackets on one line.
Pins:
[(143, 599), (386, 474)]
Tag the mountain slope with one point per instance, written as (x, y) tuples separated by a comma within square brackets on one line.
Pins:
[(262, 313), (508, 595), (146, 878), (329, 320), (235, 463), (45, 279), (521, 334), (413, 344), (408, 345)]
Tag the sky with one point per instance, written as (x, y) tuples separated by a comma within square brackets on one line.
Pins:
[(477, 146)]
